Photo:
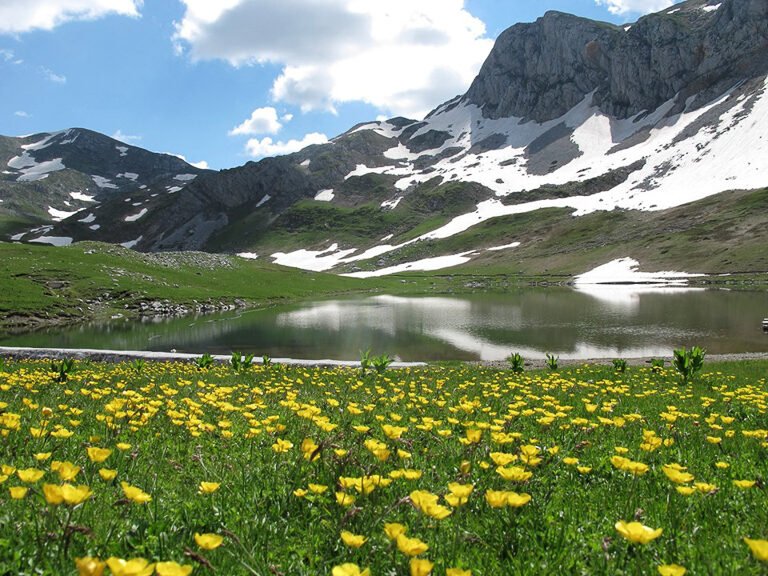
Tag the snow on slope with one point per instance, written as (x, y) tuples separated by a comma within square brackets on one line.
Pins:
[(683, 161)]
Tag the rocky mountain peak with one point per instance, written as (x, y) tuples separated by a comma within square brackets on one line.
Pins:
[(541, 70)]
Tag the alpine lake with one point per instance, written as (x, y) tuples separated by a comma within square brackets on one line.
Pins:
[(609, 321)]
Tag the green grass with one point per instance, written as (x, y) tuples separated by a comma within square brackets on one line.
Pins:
[(283, 444)]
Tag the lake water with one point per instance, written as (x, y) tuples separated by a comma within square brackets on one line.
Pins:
[(593, 322)]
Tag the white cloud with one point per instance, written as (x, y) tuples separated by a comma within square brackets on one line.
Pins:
[(262, 121), (22, 114), (635, 6), (126, 138), (401, 56), (203, 165), (267, 147), (53, 77), (18, 16)]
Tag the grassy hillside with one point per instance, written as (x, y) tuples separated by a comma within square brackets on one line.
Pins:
[(726, 233), (41, 283)]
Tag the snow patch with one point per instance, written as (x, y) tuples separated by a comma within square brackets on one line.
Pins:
[(711, 8), (625, 271), (505, 247), (132, 243), (362, 170), (53, 240), (88, 219), (94, 227), (306, 163), (185, 177), (128, 175), (82, 197), (391, 204), (17, 237), (264, 200), (425, 265), (324, 195), (316, 261), (123, 150), (173, 189), (135, 217), (59, 215), (248, 255), (103, 182)]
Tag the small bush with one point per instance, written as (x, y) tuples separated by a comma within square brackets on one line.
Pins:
[(620, 365), (516, 363), (689, 362), (552, 361)]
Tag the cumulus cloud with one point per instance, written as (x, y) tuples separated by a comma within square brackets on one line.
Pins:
[(125, 138), (53, 77), (621, 7), (262, 121), (387, 54), (22, 114), (267, 147), (18, 16)]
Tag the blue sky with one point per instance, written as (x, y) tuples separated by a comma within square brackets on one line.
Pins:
[(233, 80)]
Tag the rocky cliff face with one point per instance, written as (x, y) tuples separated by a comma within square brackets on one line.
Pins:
[(698, 48)]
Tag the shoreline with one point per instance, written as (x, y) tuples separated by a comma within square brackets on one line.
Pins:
[(128, 355)]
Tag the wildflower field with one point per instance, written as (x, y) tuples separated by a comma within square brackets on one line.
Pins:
[(160, 468)]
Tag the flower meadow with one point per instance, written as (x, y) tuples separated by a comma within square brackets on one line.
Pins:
[(172, 469)]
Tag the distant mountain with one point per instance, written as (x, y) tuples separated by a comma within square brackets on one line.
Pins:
[(72, 174), (566, 115)]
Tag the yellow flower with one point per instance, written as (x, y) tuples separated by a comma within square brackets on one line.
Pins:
[(759, 548), (344, 499), (677, 476), (135, 494), (421, 567), (98, 455), (514, 474), (30, 475), (685, 490), (208, 541), (584, 469), (411, 546), (74, 495), (436, 511), (89, 566), (172, 569), (714, 439), (107, 474), (208, 487), (517, 500), (352, 540), (349, 569), (496, 498), (299, 492), (18, 492), (310, 449), (637, 533), (123, 446), (134, 567), (569, 461), (317, 488), (282, 445), (52, 494), (744, 484), (457, 572), (67, 471), (394, 529), (42, 456), (671, 570), (722, 465)]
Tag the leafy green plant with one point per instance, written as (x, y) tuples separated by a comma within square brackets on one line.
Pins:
[(657, 364), (205, 361), (365, 361), (381, 363), (266, 361), (516, 362), (688, 362), (238, 362), (138, 365), (620, 365), (552, 361), (63, 369)]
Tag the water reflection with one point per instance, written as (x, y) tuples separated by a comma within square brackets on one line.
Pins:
[(591, 322)]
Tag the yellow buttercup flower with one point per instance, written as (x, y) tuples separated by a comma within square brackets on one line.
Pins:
[(134, 567), (123, 446), (98, 455), (67, 471), (759, 548), (135, 494), (107, 474), (671, 570), (74, 495), (421, 567), (42, 456), (317, 488), (411, 546), (636, 532), (744, 484), (394, 529), (18, 492), (89, 566), (208, 487), (457, 572), (352, 540), (208, 541), (30, 475), (172, 569), (344, 499), (349, 569)]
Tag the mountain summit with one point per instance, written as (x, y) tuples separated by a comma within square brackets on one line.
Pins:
[(567, 114)]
